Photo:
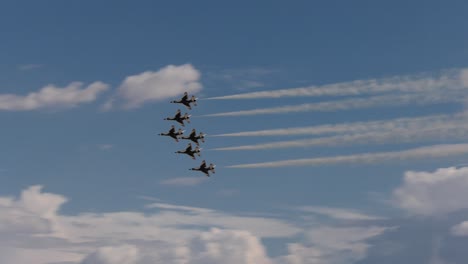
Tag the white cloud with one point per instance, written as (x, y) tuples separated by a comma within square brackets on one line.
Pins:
[(53, 97), (433, 193), (229, 247), (150, 86), (183, 181), (415, 153), (33, 231), (31, 226), (332, 245), (464, 77), (126, 254), (34, 212), (460, 229)]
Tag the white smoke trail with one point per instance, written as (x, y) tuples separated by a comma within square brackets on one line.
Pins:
[(453, 79), (357, 103), (433, 151), (346, 127), (398, 135)]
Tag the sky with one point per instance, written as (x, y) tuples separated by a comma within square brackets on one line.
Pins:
[(338, 130)]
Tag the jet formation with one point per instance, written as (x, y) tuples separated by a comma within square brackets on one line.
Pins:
[(179, 134)]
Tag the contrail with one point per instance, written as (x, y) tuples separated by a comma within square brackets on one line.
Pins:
[(452, 79), (344, 127), (400, 135), (433, 151), (356, 103)]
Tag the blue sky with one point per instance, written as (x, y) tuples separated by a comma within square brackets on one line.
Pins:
[(357, 114)]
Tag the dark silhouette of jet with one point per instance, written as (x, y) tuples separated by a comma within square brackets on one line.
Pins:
[(205, 169), (186, 101), (173, 134), (178, 117), (193, 137), (190, 152)]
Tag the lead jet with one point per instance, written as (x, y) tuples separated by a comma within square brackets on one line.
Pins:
[(178, 117), (190, 152), (186, 101), (205, 169), (173, 134), (193, 137)]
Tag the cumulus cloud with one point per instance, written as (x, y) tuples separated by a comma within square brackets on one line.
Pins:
[(34, 212), (332, 245), (33, 231), (151, 86), (51, 96), (227, 246), (433, 193), (460, 229)]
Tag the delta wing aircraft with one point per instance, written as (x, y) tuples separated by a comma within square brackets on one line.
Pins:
[(178, 117), (193, 137), (190, 152), (205, 169), (186, 101), (173, 134)]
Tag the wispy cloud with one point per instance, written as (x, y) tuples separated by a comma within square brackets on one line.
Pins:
[(26, 67), (105, 146), (357, 103), (53, 97), (338, 213), (415, 153), (239, 79), (183, 181), (452, 79)]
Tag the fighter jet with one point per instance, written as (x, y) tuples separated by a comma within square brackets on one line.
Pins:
[(190, 152), (186, 101), (205, 169), (193, 137), (178, 117), (173, 134)]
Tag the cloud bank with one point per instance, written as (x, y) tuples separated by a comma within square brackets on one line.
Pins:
[(33, 231)]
